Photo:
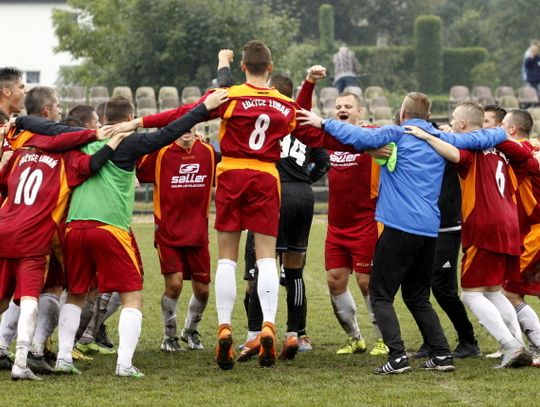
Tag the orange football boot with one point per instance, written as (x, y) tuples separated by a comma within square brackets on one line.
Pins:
[(267, 352), (224, 348)]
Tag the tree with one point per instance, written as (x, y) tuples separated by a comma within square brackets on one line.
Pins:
[(170, 42)]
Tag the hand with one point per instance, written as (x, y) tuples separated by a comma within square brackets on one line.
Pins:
[(226, 55), (383, 152), (5, 159), (216, 99), (124, 127), (4, 130), (446, 128), (315, 73), (417, 132), (305, 117)]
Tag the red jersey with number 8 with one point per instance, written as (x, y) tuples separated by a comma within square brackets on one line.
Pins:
[(38, 186), (489, 210)]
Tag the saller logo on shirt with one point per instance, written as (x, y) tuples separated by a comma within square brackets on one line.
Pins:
[(343, 159), (189, 177)]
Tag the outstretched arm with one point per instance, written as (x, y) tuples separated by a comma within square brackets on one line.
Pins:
[(444, 149), (480, 139)]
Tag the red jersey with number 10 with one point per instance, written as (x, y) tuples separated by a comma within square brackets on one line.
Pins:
[(38, 186)]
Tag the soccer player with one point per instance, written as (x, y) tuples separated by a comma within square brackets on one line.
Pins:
[(98, 240), (183, 178), (518, 124), (12, 91), (36, 185), (247, 193), (296, 213), (406, 248), (490, 234)]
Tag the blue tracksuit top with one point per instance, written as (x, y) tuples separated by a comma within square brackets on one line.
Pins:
[(408, 196)]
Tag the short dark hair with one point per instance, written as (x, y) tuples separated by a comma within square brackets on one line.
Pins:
[(8, 76), (118, 109), (497, 110), (37, 98), (100, 110), (283, 84), (257, 57), (354, 95), (522, 119), (79, 116)]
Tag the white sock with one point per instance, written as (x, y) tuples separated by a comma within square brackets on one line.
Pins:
[(528, 320), (376, 329), (194, 313), (8, 327), (225, 288), (68, 323), (488, 315), (507, 311), (46, 322), (25, 330), (168, 310), (252, 335), (129, 330), (268, 288), (345, 312)]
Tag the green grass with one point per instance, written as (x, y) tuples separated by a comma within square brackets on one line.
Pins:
[(319, 378)]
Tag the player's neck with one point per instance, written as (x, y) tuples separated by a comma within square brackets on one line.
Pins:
[(185, 144), (256, 80)]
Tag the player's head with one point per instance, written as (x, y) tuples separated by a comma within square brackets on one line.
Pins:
[(256, 58), (189, 137), (43, 101), (348, 108), (518, 123), (83, 116), (11, 90), (467, 116), (493, 116), (118, 109), (100, 110), (282, 83), (415, 105)]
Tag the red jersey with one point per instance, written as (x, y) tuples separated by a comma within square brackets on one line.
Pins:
[(183, 181), (353, 185), (38, 185), (489, 210), (528, 193)]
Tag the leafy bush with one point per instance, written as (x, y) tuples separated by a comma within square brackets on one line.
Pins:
[(428, 51), (458, 64)]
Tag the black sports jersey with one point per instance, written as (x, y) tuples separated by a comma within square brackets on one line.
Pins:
[(296, 157)]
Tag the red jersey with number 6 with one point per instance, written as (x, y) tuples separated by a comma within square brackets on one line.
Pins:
[(38, 186), (489, 210)]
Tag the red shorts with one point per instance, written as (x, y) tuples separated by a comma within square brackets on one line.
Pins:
[(22, 277), (193, 262), (55, 275), (483, 268), (529, 266), (247, 199), (351, 252), (106, 251)]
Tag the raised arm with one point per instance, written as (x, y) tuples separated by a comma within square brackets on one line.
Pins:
[(225, 57), (444, 149), (140, 144), (305, 96)]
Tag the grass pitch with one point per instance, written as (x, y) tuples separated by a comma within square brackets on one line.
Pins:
[(318, 378)]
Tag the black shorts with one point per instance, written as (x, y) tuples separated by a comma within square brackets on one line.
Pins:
[(296, 214), (295, 217)]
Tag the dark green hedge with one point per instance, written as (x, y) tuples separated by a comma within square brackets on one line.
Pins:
[(428, 51), (458, 64)]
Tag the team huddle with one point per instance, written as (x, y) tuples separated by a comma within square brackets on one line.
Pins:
[(402, 200)]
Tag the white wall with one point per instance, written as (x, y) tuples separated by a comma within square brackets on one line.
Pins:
[(27, 40)]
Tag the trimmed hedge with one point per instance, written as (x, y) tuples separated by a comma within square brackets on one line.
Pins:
[(428, 52), (458, 64)]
